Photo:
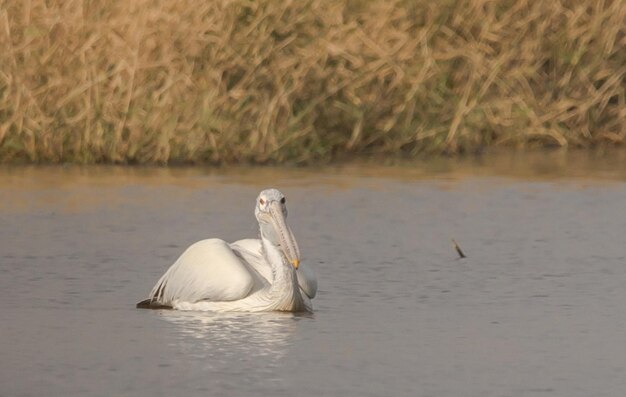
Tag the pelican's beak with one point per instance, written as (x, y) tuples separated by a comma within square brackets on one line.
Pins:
[(288, 243)]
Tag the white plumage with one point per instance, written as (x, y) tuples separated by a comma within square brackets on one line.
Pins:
[(248, 275)]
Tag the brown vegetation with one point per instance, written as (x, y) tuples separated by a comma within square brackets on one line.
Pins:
[(158, 81)]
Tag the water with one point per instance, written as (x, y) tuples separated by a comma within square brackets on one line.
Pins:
[(536, 308)]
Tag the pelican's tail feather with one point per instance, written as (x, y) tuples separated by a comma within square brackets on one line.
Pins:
[(151, 304)]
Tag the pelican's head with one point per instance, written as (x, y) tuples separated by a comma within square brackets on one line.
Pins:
[(271, 212)]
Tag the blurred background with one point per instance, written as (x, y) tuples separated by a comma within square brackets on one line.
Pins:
[(213, 82)]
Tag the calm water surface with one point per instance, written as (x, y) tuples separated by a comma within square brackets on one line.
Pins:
[(536, 309)]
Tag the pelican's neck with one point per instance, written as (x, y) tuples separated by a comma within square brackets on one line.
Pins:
[(282, 272), (284, 289)]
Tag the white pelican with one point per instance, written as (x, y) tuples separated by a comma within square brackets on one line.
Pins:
[(248, 275)]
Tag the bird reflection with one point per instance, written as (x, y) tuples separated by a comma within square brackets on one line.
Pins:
[(234, 341)]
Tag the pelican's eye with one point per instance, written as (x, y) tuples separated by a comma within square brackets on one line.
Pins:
[(261, 201), (282, 200)]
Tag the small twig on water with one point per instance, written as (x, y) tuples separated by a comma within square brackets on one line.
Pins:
[(458, 249)]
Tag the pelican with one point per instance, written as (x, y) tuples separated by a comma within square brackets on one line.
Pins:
[(249, 275)]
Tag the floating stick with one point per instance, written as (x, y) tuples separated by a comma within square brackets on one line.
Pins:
[(458, 249)]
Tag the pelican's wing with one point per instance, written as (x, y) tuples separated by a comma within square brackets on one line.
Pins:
[(251, 251), (307, 280), (208, 270)]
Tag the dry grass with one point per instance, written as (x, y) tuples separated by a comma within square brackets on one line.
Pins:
[(157, 81)]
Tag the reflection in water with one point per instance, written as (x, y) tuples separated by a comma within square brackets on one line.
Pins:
[(218, 339)]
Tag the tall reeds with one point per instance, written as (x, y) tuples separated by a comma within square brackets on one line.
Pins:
[(158, 81)]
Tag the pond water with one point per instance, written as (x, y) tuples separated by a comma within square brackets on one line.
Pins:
[(536, 308)]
